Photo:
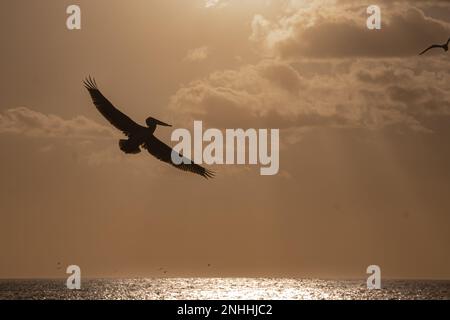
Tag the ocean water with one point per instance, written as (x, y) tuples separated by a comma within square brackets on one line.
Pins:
[(223, 288)]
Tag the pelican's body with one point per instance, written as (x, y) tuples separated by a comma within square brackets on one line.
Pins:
[(139, 136)]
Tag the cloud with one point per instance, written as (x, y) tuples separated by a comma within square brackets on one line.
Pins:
[(197, 54), (321, 67), (370, 94), (36, 124), (339, 31), (216, 3)]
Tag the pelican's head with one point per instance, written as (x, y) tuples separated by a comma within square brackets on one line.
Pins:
[(152, 122)]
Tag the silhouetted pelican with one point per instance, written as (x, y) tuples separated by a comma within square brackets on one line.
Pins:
[(139, 136), (442, 46)]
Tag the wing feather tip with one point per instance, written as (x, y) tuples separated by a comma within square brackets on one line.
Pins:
[(208, 174), (90, 83)]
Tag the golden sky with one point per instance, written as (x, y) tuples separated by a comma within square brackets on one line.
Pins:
[(364, 125)]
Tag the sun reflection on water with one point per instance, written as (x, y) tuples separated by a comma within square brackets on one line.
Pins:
[(222, 288)]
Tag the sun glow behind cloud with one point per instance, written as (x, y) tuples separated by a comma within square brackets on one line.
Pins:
[(215, 3)]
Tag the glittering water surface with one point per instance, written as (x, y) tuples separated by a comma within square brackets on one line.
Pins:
[(222, 288)]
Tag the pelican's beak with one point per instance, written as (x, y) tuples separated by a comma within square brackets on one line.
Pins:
[(162, 123)]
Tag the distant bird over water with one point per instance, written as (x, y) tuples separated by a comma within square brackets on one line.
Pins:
[(139, 136), (442, 46)]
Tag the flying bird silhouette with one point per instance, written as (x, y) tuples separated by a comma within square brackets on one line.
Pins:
[(140, 136), (442, 46)]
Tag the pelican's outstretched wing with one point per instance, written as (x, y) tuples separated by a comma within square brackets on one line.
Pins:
[(106, 108), (429, 48), (164, 153)]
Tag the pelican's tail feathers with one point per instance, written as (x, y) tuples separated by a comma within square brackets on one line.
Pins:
[(129, 146)]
